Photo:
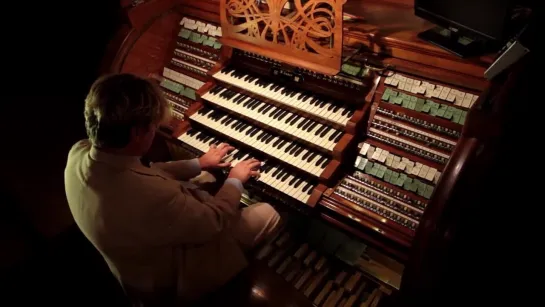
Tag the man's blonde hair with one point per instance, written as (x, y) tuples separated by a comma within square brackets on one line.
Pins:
[(117, 103)]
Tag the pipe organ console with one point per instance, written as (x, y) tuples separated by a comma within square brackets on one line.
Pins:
[(368, 157)]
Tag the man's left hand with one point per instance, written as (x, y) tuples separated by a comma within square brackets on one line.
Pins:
[(213, 158)]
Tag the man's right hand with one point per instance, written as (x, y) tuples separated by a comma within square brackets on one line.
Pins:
[(244, 170)]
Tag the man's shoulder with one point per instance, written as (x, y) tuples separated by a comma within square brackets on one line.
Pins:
[(81, 147)]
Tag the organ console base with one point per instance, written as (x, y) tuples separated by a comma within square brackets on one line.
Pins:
[(366, 163)]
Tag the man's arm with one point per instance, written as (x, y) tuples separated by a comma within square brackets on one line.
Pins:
[(181, 170), (187, 169), (184, 219), (179, 218)]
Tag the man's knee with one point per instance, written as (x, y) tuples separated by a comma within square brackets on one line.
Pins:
[(270, 217), (258, 221)]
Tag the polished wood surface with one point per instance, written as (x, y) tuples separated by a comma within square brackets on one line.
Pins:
[(388, 32), (391, 29)]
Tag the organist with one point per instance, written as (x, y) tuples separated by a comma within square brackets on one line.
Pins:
[(164, 238)]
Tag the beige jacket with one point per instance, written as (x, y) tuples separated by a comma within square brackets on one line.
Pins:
[(155, 232)]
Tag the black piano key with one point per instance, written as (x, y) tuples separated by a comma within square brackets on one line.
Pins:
[(223, 94), (325, 163), (283, 115), (255, 132), (280, 174), (277, 114), (234, 97), (325, 131), (293, 180), (286, 175), (294, 120), (261, 110), (298, 183), (266, 137), (311, 156), (250, 131), (303, 122), (293, 149), (289, 148), (307, 98), (283, 144), (307, 187), (255, 104), (269, 139), (293, 115), (319, 131), (242, 99), (307, 124), (275, 173), (260, 135), (216, 89), (338, 138), (305, 156), (248, 102), (277, 142), (320, 161), (312, 126), (335, 135)]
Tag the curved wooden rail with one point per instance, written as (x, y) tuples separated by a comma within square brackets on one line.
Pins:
[(430, 229)]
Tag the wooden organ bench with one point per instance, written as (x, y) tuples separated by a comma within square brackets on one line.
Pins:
[(371, 162)]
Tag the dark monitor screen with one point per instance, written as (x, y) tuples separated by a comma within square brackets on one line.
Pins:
[(484, 17)]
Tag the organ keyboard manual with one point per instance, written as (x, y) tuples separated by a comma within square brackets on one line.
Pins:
[(365, 157)]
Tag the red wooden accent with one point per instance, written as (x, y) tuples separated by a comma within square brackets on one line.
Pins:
[(205, 88), (149, 52), (330, 172), (192, 109), (141, 14), (316, 195), (353, 213), (345, 143), (391, 29)]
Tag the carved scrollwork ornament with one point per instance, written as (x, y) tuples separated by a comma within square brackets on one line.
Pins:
[(307, 31)]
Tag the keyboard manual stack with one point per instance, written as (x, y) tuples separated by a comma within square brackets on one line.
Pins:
[(195, 52)]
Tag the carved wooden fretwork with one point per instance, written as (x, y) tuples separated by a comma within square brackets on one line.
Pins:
[(303, 33)]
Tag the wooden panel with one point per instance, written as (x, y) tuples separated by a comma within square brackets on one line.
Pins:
[(305, 35), (140, 14), (151, 51), (392, 29), (207, 10)]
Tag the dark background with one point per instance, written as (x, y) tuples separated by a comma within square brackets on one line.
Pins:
[(51, 53)]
